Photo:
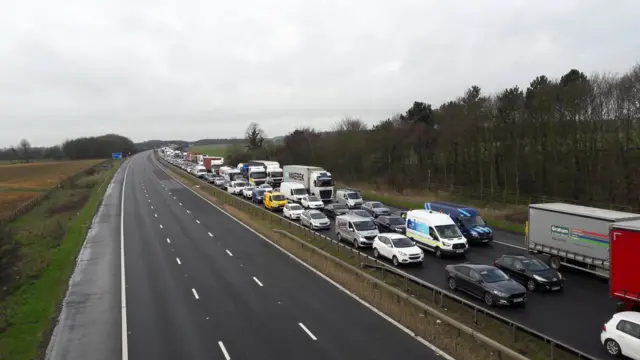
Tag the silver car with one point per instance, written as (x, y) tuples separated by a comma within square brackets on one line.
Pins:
[(375, 208), (314, 219), (219, 181)]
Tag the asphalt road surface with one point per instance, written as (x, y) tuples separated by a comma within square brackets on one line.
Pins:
[(200, 285), (574, 316)]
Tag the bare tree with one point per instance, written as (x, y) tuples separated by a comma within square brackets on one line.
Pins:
[(350, 124), (24, 148), (255, 137)]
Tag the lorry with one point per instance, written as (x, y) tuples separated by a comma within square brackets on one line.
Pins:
[(624, 284), (274, 171), (213, 163), (315, 179), (573, 235), (257, 175)]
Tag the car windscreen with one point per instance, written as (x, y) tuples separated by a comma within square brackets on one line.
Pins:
[(471, 221), (361, 213), (295, 207), (317, 215), (534, 265), (448, 231), (339, 207), (353, 195), (241, 184), (365, 225), (313, 198), (396, 220), (299, 191), (277, 197), (402, 242), (376, 205), (493, 275), (259, 192)]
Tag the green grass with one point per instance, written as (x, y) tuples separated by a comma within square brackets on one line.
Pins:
[(212, 150), (50, 237)]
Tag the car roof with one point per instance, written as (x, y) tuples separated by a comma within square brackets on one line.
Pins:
[(433, 218), (311, 211), (274, 193), (391, 235), (628, 315), (478, 267), (351, 217)]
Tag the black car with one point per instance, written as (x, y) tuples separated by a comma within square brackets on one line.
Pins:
[(486, 282), (333, 210), (391, 223), (401, 213), (531, 272)]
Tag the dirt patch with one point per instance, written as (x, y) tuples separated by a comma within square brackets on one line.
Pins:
[(11, 200)]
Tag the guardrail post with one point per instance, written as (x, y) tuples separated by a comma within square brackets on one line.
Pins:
[(552, 353), (475, 316), (441, 300), (514, 333)]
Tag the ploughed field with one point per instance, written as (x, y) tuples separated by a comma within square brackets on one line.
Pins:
[(20, 183)]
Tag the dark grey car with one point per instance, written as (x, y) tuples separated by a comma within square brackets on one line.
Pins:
[(375, 208), (486, 282)]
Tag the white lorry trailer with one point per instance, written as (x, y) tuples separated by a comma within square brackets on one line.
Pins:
[(315, 179), (573, 235)]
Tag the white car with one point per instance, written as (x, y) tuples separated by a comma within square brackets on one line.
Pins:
[(266, 187), (398, 248), (311, 202), (248, 191), (292, 211), (236, 187), (621, 335)]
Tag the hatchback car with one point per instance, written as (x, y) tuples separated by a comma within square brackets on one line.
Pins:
[(391, 223), (397, 248), (314, 219), (248, 191), (311, 202), (486, 282), (258, 196), (375, 208), (621, 335), (333, 210), (531, 272), (292, 211)]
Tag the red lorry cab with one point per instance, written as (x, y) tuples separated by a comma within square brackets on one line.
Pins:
[(188, 156), (624, 247)]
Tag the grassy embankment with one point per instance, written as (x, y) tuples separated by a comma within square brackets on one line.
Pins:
[(460, 346), (506, 217), (46, 242), (211, 150)]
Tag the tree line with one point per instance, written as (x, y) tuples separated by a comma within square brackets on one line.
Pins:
[(99, 147), (574, 137)]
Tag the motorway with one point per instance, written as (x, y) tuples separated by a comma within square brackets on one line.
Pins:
[(200, 285), (574, 316)]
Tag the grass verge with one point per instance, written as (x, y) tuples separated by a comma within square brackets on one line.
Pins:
[(49, 238), (445, 337), (499, 216)]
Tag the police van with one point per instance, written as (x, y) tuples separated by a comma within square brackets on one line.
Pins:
[(435, 232), (469, 221)]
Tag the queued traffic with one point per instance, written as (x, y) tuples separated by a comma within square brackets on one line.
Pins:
[(306, 194)]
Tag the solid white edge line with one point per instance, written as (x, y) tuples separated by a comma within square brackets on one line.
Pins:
[(161, 226), (224, 351), (169, 241), (257, 281), (178, 260), (198, 221), (188, 212), (511, 245), (210, 234), (180, 204), (307, 331), (123, 292), (229, 252), (195, 294), (340, 287)]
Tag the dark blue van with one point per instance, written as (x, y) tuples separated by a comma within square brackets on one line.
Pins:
[(469, 221), (258, 195)]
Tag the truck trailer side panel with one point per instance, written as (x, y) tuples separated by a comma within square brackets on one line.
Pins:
[(625, 270), (569, 233)]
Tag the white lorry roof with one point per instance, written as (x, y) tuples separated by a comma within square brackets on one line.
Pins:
[(578, 210), (434, 218)]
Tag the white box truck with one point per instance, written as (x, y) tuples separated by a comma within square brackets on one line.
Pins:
[(315, 179), (573, 235)]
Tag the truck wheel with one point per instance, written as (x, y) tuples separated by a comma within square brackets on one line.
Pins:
[(554, 262)]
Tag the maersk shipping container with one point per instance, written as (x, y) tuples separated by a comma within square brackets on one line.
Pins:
[(573, 234)]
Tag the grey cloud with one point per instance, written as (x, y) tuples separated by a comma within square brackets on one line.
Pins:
[(194, 69)]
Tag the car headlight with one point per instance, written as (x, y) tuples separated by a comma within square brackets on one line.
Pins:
[(401, 253), (446, 243), (474, 234), (500, 293), (539, 278)]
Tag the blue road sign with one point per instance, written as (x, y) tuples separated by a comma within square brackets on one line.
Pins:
[(116, 156)]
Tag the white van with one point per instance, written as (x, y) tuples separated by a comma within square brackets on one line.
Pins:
[(200, 171), (435, 232), (293, 191)]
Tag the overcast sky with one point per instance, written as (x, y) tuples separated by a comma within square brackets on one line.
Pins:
[(165, 69)]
